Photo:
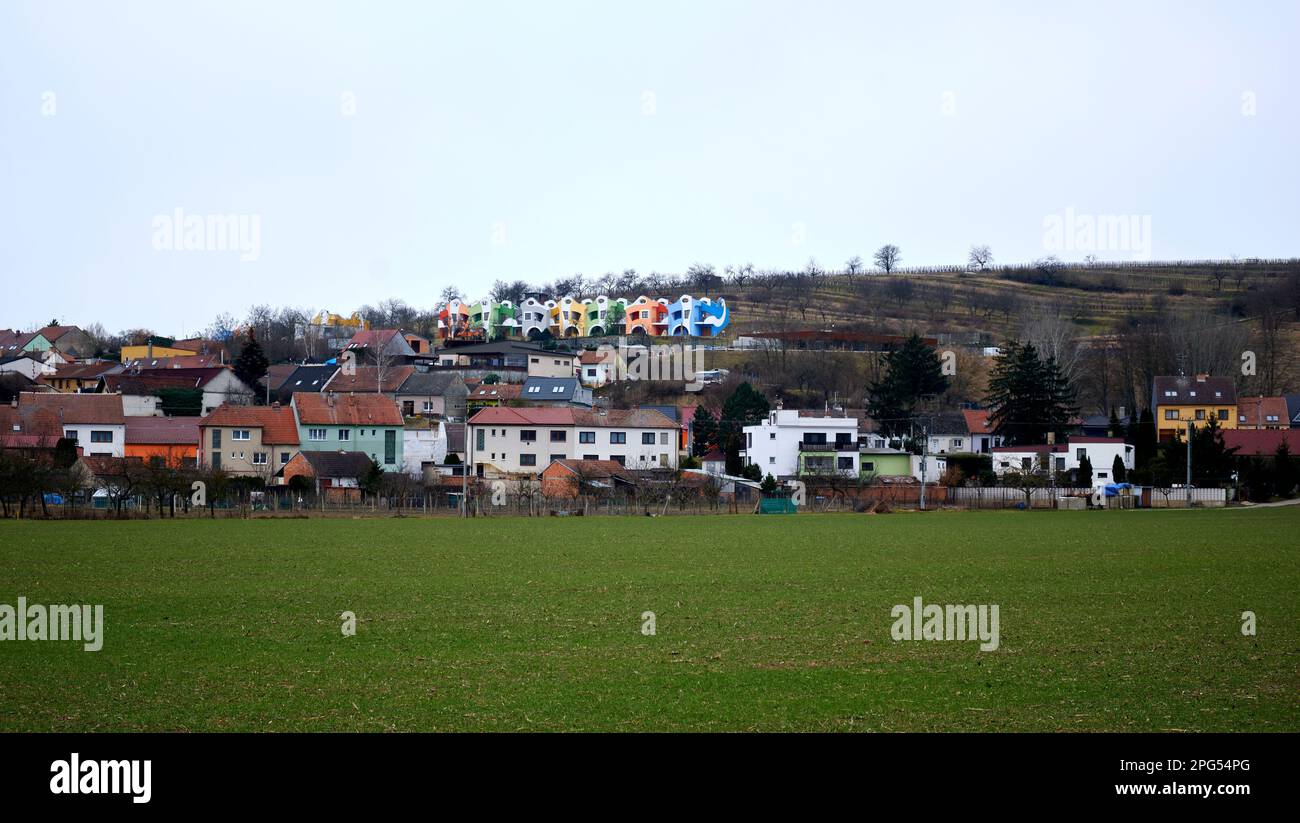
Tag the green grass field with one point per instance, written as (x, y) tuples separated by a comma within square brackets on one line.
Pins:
[(1109, 621)]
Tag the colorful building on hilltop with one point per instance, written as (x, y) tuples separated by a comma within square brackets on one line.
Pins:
[(569, 316)]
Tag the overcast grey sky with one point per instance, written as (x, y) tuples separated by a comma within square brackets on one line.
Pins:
[(390, 149)]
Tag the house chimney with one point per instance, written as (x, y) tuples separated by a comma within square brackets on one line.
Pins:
[(1051, 438)]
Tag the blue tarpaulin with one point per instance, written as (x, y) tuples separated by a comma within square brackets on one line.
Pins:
[(1113, 489)]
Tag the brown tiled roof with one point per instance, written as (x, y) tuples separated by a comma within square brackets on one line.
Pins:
[(594, 469), (337, 464), (334, 409), (81, 371), (52, 333), (188, 361), (630, 418), (1192, 391), (497, 391), (366, 378), (276, 422), (74, 409), (530, 416), (1256, 411), (156, 431)]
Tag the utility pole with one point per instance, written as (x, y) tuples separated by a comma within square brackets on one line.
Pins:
[(1189, 463), (464, 469), (925, 447)]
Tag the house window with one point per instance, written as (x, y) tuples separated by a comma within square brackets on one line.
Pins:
[(559, 436), (618, 437), (1080, 453), (1060, 464), (315, 434), (771, 461), (528, 435), (647, 438), (555, 457), (1223, 414), (844, 464), (618, 458), (99, 436), (216, 460), (586, 437), (1200, 414), (390, 446), (345, 434), (528, 460), (240, 434), (534, 389), (772, 436), (1171, 414), (868, 466), (216, 438), (284, 457), (591, 457), (663, 438), (259, 458), (1026, 464), (557, 390), (428, 407)]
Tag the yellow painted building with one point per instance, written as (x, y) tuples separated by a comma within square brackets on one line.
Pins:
[(1198, 399), (130, 353)]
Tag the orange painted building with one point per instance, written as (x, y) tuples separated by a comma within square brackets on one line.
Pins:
[(645, 316), (173, 439)]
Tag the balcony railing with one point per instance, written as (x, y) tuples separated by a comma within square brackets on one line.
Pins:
[(805, 446)]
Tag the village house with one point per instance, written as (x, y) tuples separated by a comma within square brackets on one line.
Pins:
[(28, 365), (215, 385), (507, 440), (1263, 413), (80, 377), (93, 421), (569, 478), (366, 423), (778, 444), (337, 475), (172, 440), (432, 394), (424, 442), (248, 441), (1181, 400), (70, 340), (1066, 457)]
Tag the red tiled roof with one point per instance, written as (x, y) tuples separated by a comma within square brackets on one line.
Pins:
[(276, 422), (977, 421), (1260, 442), (1256, 411), (366, 379), (529, 416), (332, 409), (74, 409), (592, 469), (1074, 439)]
